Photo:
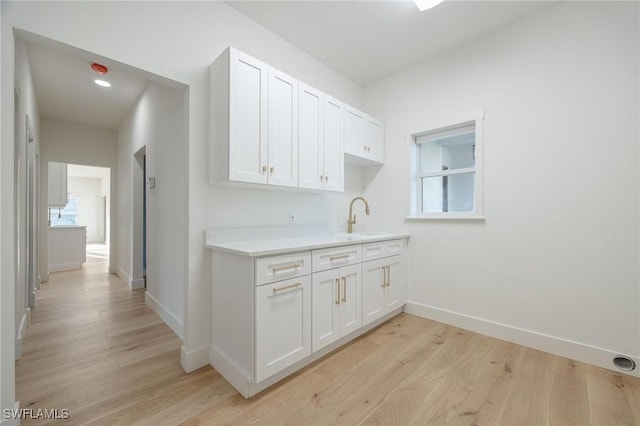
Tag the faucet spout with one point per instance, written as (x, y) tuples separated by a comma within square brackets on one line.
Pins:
[(352, 217)]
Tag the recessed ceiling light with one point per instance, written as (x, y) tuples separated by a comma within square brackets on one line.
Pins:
[(426, 4), (102, 83)]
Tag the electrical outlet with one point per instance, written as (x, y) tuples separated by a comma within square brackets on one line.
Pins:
[(292, 217)]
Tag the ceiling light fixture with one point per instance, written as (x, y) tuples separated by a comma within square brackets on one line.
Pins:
[(426, 4), (102, 83)]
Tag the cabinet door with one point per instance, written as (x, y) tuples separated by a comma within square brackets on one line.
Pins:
[(310, 138), (247, 118), (396, 288), (57, 184), (283, 325), (333, 161), (353, 132), (350, 299), (373, 290), (325, 308), (374, 139), (283, 129)]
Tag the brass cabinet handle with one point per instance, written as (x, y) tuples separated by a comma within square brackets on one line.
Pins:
[(388, 275), (285, 267), (338, 291), (326, 178), (384, 277), (344, 289), (321, 178), (287, 287), (272, 169), (341, 256), (264, 169)]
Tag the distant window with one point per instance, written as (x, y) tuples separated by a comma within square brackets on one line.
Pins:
[(447, 179), (65, 216)]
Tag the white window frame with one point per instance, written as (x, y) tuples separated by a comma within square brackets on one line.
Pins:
[(415, 178)]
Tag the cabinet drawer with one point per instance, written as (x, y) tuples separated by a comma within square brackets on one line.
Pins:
[(335, 257), (382, 249), (276, 268)]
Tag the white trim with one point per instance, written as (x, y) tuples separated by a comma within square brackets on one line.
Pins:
[(192, 360), (136, 284), (20, 333), (12, 421), (558, 346), (174, 323), (445, 217), (123, 275)]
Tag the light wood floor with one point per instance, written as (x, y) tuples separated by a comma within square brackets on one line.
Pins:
[(94, 348)]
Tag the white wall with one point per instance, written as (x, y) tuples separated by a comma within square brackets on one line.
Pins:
[(76, 144), (88, 191), (157, 123), (558, 254), (179, 41)]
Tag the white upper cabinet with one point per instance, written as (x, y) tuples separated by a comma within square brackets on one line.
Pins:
[(266, 127), (247, 118), (333, 158), (57, 187), (363, 138), (282, 129), (321, 151)]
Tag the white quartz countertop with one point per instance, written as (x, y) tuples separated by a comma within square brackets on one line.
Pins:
[(272, 246)]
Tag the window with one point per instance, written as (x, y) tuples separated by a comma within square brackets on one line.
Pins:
[(447, 178), (65, 216)]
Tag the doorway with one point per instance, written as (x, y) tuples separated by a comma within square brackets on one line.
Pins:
[(140, 228)]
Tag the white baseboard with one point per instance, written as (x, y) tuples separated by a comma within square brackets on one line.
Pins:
[(562, 347), (174, 323), (136, 284), (57, 267), (192, 360), (133, 284), (20, 333), (12, 420)]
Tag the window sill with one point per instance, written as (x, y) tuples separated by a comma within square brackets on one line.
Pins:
[(445, 218)]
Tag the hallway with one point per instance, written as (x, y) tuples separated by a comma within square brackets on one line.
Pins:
[(95, 348)]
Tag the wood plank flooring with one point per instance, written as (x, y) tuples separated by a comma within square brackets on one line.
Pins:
[(96, 349)]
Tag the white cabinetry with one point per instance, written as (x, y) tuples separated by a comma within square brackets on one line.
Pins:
[(254, 122), (282, 132), (274, 314), (268, 128), (363, 138), (383, 282), (335, 294), (57, 186), (321, 150), (283, 325)]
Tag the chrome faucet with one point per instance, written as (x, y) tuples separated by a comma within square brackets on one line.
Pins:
[(352, 217)]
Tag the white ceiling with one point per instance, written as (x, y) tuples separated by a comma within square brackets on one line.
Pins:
[(64, 87), (363, 40), (76, 170), (368, 40)]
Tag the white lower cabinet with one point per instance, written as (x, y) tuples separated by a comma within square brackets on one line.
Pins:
[(283, 325), (336, 304), (383, 287), (272, 315)]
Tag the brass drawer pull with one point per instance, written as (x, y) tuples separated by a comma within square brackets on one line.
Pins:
[(342, 256), (338, 291), (344, 289), (287, 287), (285, 267)]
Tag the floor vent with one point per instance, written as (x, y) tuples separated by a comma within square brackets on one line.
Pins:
[(624, 363)]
